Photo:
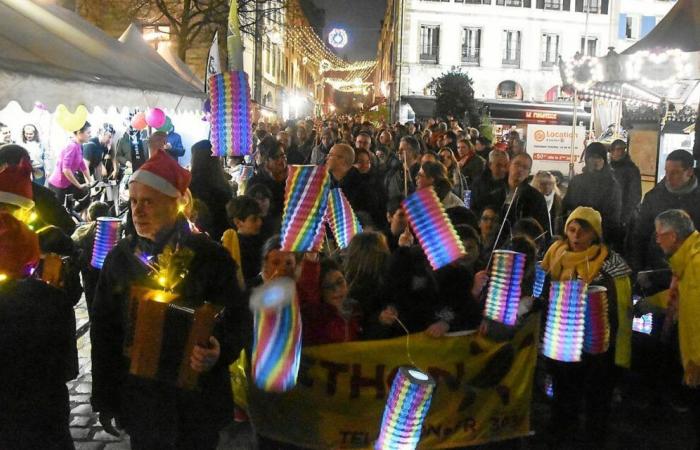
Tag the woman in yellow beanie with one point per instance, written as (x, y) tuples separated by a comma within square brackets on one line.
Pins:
[(581, 254)]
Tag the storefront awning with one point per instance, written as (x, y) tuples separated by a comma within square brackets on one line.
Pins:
[(423, 106)]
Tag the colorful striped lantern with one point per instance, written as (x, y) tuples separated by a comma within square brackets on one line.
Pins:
[(596, 338), (341, 218), (433, 228), (503, 297), (406, 408), (106, 238), (231, 132), (277, 336), (566, 316), (540, 276), (305, 203)]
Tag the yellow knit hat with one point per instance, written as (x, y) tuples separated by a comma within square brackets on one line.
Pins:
[(588, 215)]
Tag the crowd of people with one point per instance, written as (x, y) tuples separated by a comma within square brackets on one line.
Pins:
[(597, 229)]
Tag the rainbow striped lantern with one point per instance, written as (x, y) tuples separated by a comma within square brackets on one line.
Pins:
[(597, 332), (503, 297), (406, 408), (305, 203), (231, 132), (540, 275), (106, 239), (342, 219), (563, 335), (433, 228), (277, 339)]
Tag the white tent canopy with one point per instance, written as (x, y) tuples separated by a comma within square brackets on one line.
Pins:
[(53, 56)]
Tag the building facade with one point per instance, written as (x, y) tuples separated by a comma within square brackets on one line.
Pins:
[(510, 48)]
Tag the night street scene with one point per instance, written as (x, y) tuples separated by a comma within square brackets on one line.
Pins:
[(357, 224)]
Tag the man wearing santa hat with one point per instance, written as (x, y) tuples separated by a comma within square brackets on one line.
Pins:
[(157, 414)]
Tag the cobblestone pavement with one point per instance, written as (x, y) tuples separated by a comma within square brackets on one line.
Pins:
[(635, 422)]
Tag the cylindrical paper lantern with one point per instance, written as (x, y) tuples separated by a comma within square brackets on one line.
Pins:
[(106, 238), (155, 117), (341, 218), (540, 275), (566, 316), (435, 233), (305, 203), (597, 335), (277, 336), (406, 408), (503, 297), (138, 122), (231, 132)]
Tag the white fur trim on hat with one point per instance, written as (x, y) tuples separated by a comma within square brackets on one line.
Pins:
[(17, 200), (157, 182)]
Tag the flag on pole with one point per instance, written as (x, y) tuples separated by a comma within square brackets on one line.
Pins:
[(213, 60), (234, 44)]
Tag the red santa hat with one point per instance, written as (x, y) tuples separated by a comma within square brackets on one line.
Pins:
[(16, 184), (164, 174), (19, 247)]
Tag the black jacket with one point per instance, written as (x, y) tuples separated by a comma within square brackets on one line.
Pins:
[(483, 189), (627, 176), (38, 356), (277, 189), (363, 193), (146, 403), (51, 212), (213, 219), (600, 191), (643, 252)]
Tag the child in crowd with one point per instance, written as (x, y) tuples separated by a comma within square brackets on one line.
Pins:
[(84, 239), (243, 241), (262, 194)]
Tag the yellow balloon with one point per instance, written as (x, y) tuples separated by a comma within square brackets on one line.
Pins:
[(71, 122)]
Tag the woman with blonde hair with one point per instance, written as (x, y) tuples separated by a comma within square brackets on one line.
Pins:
[(459, 182), (434, 174), (546, 184)]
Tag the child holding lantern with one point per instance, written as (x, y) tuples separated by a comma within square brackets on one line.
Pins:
[(582, 255), (243, 241)]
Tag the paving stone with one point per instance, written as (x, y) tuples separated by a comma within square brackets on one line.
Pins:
[(84, 388), (79, 433), (79, 398), (82, 410), (104, 436), (80, 421)]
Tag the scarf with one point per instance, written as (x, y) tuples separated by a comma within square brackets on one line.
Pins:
[(563, 264)]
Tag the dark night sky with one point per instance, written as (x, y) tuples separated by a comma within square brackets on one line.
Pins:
[(360, 19)]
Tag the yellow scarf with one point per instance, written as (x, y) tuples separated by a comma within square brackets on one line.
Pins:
[(563, 264), (230, 242)]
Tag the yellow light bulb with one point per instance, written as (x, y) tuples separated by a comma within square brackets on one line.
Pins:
[(3, 277), (162, 281)]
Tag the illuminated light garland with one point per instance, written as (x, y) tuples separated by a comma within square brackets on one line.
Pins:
[(305, 203), (277, 336), (338, 38), (231, 133), (106, 238), (341, 218), (596, 338), (503, 296), (566, 315), (406, 407), (671, 64), (584, 72), (435, 232)]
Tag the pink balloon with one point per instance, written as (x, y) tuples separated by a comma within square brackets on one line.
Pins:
[(139, 121), (155, 117)]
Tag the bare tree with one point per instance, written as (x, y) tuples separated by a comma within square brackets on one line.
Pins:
[(190, 19)]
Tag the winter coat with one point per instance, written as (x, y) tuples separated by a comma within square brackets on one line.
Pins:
[(150, 407), (394, 180), (643, 251), (50, 211), (600, 191), (361, 192), (685, 264), (38, 356), (318, 154), (212, 219), (276, 187), (482, 190), (451, 201), (473, 168), (627, 176)]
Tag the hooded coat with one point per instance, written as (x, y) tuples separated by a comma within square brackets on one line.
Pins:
[(627, 175)]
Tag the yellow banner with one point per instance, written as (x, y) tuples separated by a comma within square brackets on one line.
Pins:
[(483, 392)]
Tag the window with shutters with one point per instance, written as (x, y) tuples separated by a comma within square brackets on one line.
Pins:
[(589, 46), (632, 27), (429, 43), (590, 6), (552, 4), (550, 49), (511, 48), (471, 45)]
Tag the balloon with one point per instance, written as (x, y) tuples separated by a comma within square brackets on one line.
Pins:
[(138, 122), (167, 126), (71, 122), (155, 117)]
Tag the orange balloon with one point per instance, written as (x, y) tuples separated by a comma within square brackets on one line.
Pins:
[(138, 122)]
